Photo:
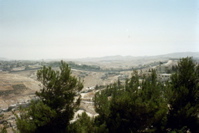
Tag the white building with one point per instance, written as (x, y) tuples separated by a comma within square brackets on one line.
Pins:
[(164, 77)]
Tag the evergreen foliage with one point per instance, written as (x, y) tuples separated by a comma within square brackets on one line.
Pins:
[(56, 104), (141, 104), (150, 106), (85, 124), (185, 98), (135, 107)]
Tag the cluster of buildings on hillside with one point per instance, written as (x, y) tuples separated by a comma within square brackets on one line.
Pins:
[(164, 71)]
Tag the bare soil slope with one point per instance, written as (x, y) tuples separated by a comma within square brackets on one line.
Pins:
[(15, 88)]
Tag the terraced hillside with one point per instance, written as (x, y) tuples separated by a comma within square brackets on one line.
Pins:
[(15, 89)]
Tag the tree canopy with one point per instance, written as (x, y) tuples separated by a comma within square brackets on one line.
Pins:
[(137, 105), (184, 109), (56, 104)]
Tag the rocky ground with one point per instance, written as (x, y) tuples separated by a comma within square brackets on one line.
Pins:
[(15, 90)]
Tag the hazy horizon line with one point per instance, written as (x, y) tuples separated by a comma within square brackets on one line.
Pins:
[(105, 56)]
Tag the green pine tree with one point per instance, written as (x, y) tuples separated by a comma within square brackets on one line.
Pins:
[(135, 107), (184, 103), (56, 104)]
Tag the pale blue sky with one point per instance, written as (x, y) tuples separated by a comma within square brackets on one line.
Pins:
[(40, 29)]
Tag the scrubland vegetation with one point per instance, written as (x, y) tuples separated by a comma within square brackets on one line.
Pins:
[(133, 106)]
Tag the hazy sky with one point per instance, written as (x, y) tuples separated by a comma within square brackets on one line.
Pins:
[(40, 29)]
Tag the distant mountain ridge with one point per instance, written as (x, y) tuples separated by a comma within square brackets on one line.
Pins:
[(120, 57), (163, 56), (182, 54)]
